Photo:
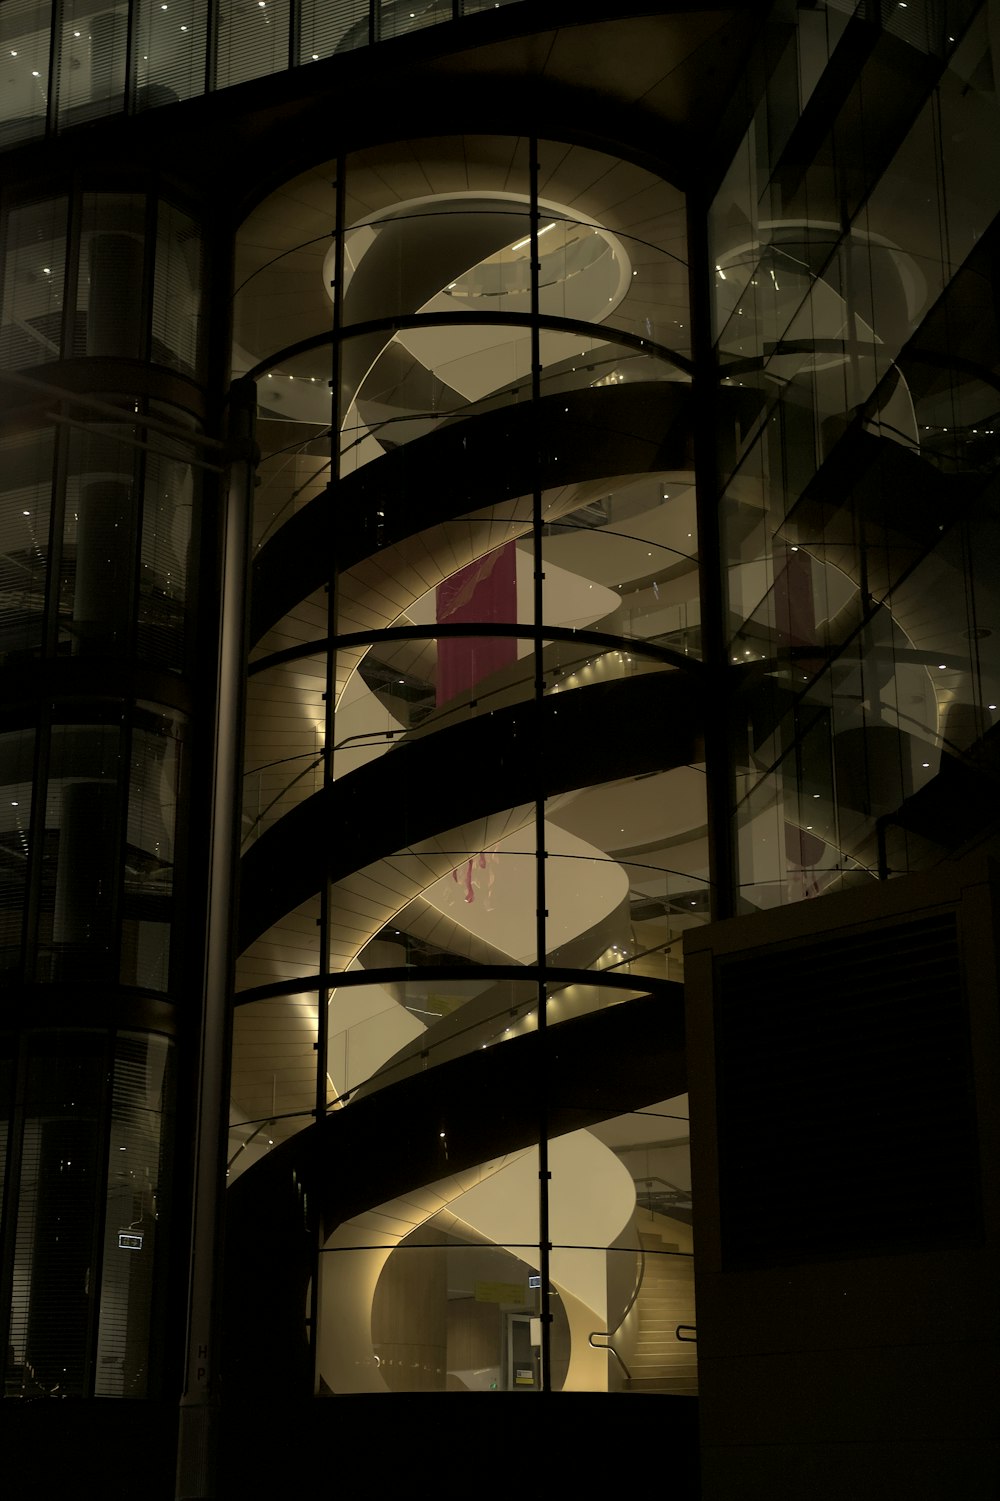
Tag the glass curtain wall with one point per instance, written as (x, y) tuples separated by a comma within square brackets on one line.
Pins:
[(98, 495), (479, 734), (64, 65), (856, 329)]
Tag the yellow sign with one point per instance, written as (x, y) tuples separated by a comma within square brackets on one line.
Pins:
[(500, 1292)]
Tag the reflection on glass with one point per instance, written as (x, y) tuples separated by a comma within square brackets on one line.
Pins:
[(17, 748), (56, 1216), (149, 857), (177, 291), (439, 1290), (169, 51), (273, 1090), (25, 496), (328, 26), (80, 855), (137, 1213), (99, 538), (24, 38), (34, 271), (252, 40), (92, 60)]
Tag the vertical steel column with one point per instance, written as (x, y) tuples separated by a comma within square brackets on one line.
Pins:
[(211, 44), (55, 64), (197, 1435), (541, 944), (719, 724), (329, 714)]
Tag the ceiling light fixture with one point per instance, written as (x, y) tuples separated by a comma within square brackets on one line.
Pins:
[(527, 241)]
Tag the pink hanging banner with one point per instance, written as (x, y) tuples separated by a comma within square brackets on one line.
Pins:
[(484, 593)]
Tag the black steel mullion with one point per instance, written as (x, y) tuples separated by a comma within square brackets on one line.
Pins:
[(541, 913), (329, 724), (71, 275), (55, 60), (211, 45), (131, 48), (719, 710)]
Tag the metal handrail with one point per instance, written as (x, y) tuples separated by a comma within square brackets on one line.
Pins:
[(608, 1333)]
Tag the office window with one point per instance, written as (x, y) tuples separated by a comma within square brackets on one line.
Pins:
[(24, 69), (25, 497), (33, 283), (253, 40), (92, 60), (16, 757), (169, 51), (137, 1213)]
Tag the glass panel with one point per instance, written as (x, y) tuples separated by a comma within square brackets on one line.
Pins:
[(294, 435), (593, 275), (472, 7), (17, 749), (33, 284), (641, 1289), (288, 950), (253, 40), (283, 272), (138, 1213), (273, 1090), (167, 516), (80, 863), (110, 316), (284, 742), (455, 253), (627, 873), (625, 560), (438, 1290), (380, 1033), (25, 495), (169, 51), (433, 1291), (24, 68), (177, 291), (397, 17), (149, 853), (329, 26), (97, 587), (57, 1212), (92, 61), (421, 380)]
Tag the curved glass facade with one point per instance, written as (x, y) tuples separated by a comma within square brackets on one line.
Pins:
[(497, 507)]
